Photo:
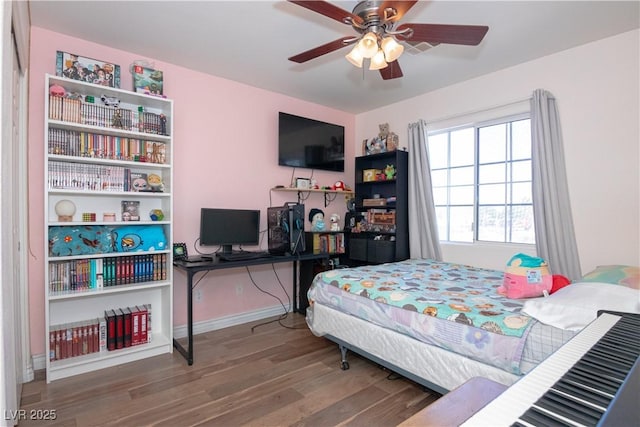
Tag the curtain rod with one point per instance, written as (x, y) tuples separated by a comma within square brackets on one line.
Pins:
[(479, 110)]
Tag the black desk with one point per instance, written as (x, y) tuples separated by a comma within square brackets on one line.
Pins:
[(191, 268)]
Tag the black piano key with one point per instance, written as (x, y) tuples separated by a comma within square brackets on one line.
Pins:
[(582, 393), (612, 349), (622, 345), (574, 409), (539, 418), (606, 364), (590, 382), (601, 371), (587, 373), (620, 359)]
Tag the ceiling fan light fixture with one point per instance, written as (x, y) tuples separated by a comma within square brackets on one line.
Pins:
[(392, 49), (355, 57), (368, 45), (378, 62)]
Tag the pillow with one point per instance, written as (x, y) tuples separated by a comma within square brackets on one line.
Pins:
[(624, 275), (574, 307), (70, 240), (137, 238)]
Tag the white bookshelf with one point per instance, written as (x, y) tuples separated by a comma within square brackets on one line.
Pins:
[(74, 142)]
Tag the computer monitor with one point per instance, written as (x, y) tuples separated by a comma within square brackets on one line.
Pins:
[(228, 227)]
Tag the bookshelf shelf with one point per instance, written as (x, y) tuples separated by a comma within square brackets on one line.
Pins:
[(303, 193), (91, 148), (88, 293), (91, 362)]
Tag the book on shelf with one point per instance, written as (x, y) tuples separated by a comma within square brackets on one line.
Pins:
[(119, 328), (127, 326), (110, 318), (144, 320), (130, 210)]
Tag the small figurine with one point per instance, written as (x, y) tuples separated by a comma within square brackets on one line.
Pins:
[(110, 101), (335, 222), (116, 122), (316, 216), (390, 172)]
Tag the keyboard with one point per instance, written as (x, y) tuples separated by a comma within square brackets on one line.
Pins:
[(243, 256), (587, 382)]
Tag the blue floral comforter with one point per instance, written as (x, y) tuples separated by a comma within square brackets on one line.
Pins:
[(453, 306)]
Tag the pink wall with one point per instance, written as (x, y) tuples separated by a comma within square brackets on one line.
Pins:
[(225, 137)]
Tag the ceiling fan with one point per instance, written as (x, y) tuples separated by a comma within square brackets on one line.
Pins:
[(377, 39)]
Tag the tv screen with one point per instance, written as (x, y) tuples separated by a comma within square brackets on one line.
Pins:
[(228, 227), (311, 144)]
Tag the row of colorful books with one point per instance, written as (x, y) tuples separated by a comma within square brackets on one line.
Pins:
[(85, 274), (122, 117), (118, 329), (82, 176), (84, 144), (328, 243)]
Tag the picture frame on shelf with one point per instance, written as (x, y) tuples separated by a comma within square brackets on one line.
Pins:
[(130, 210), (303, 183), (180, 251), (76, 67), (147, 80)]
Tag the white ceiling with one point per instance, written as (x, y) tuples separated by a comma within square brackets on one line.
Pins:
[(250, 41)]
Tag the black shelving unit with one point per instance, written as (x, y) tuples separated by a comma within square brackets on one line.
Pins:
[(378, 243)]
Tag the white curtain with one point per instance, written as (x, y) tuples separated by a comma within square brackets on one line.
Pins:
[(555, 235), (423, 227)]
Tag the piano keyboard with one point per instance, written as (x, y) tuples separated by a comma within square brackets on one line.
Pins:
[(576, 385)]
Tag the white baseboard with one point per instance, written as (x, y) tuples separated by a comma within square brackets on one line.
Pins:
[(227, 321), (39, 361)]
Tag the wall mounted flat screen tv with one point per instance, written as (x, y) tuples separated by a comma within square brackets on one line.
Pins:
[(309, 143)]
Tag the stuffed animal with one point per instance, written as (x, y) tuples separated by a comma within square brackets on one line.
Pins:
[(388, 138), (390, 172), (56, 90), (335, 222), (80, 240), (316, 216)]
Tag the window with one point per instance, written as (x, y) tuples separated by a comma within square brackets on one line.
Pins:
[(481, 177)]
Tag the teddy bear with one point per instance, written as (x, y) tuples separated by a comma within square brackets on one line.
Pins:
[(388, 138)]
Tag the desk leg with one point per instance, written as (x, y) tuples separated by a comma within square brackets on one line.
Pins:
[(188, 354), (295, 287)]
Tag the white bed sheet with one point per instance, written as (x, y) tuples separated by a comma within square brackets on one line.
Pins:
[(440, 367)]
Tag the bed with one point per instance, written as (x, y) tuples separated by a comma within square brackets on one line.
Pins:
[(440, 324)]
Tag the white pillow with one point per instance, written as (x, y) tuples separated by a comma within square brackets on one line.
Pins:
[(575, 306)]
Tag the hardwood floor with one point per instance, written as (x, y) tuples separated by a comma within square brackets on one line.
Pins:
[(275, 376)]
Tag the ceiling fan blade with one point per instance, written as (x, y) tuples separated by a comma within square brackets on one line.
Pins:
[(391, 71), (401, 7), (323, 50), (329, 10), (438, 33)]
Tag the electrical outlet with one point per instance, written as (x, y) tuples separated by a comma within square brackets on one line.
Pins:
[(198, 295), (239, 289)]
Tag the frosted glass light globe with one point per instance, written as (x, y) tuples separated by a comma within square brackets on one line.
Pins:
[(65, 210)]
